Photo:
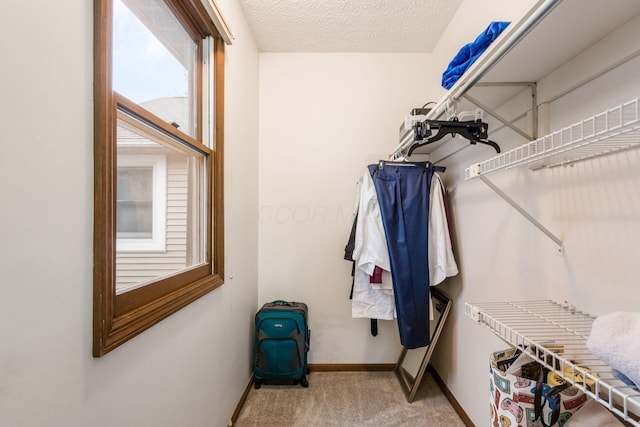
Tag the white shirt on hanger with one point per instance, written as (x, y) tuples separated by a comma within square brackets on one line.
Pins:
[(374, 301), (442, 264)]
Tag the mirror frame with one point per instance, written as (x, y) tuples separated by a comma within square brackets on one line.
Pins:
[(409, 384)]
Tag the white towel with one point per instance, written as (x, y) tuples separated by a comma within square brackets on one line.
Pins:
[(615, 338), (593, 414)]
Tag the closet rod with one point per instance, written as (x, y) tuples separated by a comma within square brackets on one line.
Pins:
[(453, 153)]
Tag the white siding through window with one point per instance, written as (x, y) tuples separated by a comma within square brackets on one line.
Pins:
[(135, 268)]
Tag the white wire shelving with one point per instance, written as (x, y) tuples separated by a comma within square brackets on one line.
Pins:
[(613, 130), (556, 334)]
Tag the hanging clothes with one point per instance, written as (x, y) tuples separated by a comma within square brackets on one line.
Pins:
[(403, 197), (442, 263), (375, 278), (416, 198), (370, 250)]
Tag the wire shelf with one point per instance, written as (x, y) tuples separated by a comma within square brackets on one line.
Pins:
[(610, 131), (556, 334)]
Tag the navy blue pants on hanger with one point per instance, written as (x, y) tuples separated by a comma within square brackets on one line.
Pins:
[(403, 196)]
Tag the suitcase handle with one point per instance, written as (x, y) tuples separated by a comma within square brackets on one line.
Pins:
[(283, 302)]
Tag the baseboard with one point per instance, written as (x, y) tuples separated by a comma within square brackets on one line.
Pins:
[(346, 367), (450, 397), (240, 404)]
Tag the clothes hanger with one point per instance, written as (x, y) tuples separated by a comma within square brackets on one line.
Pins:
[(426, 164), (473, 130), (400, 161)]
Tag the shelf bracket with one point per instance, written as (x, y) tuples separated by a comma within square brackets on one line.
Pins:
[(534, 108), (524, 213)]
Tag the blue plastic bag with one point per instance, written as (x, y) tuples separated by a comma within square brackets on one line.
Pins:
[(470, 52)]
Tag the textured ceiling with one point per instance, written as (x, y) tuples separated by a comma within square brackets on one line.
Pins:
[(348, 25)]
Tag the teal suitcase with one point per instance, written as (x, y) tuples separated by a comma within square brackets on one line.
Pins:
[(281, 343)]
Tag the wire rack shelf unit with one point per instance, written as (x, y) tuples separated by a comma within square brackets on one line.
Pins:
[(555, 334), (613, 130)]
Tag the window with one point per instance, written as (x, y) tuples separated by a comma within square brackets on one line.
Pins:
[(158, 214), (141, 191), (134, 208)]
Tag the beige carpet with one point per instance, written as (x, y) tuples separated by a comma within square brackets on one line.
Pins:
[(347, 399)]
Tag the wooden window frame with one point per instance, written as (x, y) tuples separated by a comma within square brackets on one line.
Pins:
[(118, 318)]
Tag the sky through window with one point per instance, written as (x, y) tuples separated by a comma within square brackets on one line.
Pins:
[(141, 61)]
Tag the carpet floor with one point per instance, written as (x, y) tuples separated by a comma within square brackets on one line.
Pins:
[(348, 399)]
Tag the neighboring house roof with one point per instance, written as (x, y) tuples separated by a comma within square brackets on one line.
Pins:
[(170, 109), (173, 109)]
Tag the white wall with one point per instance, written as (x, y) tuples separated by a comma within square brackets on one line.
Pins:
[(188, 370), (323, 118), (593, 207)]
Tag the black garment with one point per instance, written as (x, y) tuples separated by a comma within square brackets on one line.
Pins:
[(351, 244)]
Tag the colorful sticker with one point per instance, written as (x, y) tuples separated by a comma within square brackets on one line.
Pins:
[(513, 407), (502, 383)]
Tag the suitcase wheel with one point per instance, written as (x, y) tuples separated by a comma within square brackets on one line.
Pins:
[(257, 384), (303, 381)]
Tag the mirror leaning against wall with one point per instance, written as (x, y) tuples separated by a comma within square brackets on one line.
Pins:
[(413, 363)]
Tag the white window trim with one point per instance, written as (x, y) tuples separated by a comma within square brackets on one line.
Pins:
[(159, 228)]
